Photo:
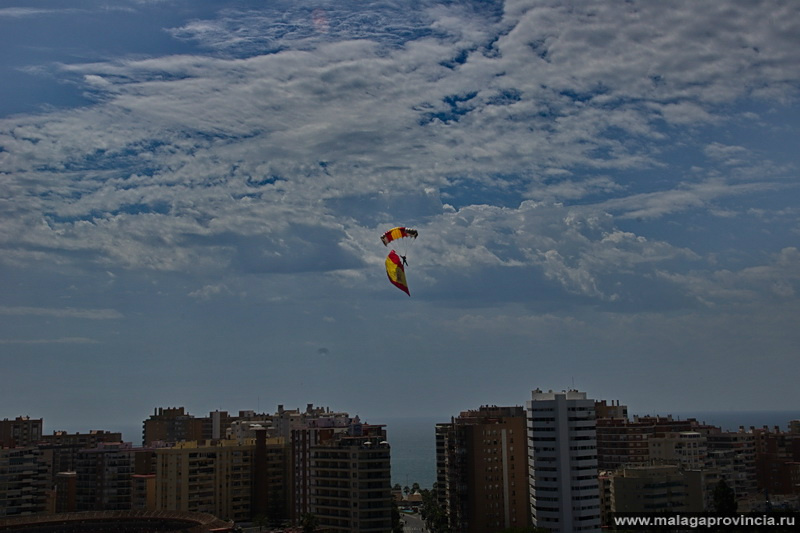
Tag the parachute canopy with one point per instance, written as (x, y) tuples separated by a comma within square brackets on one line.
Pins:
[(396, 272), (397, 233)]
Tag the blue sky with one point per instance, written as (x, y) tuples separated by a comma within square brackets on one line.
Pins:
[(192, 193)]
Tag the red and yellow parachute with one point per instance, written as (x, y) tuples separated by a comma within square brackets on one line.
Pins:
[(397, 233), (395, 263), (396, 272)]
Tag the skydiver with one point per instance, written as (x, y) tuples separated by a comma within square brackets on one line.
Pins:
[(405, 263)]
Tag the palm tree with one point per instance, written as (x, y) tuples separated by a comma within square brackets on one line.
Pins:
[(309, 523), (260, 521)]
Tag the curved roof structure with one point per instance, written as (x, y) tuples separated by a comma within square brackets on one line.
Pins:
[(121, 521)]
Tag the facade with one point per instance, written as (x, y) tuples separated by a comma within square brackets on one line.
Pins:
[(777, 459), (734, 456), (271, 478), (227, 478), (23, 481), (203, 477), (651, 440), (271, 469), (62, 448), (143, 492), (66, 488), (622, 442), (614, 411), (482, 469), (173, 424), (22, 431), (687, 448), (104, 477), (562, 449), (351, 484), (305, 430), (656, 489)]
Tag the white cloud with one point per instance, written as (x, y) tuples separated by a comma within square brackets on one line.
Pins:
[(283, 159), (209, 291), (16, 12), (778, 279)]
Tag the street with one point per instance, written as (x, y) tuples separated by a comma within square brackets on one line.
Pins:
[(412, 523)]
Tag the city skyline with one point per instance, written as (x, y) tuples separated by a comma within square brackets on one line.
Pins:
[(412, 439), (726, 420), (192, 195)]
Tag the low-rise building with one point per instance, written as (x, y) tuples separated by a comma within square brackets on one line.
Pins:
[(656, 489)]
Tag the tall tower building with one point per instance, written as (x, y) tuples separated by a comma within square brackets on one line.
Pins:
[(482, 469), (562, 459)]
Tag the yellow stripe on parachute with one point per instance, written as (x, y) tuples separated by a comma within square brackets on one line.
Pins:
[(398, 233), (396, 272)]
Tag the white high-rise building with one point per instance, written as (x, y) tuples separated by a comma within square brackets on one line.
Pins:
[(562, 449)]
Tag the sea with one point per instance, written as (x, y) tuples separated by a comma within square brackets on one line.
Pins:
[(413, 439)]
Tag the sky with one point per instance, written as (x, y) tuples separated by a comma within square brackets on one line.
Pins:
[(192, 194)]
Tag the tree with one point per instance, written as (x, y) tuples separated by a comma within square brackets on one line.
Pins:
[(432, 513), (309, 523), (260, 521), (724, 498)]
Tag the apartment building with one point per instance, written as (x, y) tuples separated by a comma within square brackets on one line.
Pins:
[(205, 477), (173, 424), (23, 481), (62, 448), (686, 448), (734, 456), (777, 456), (350, 478), (562, 449), (656, 489), (482, 469), (22, 431), (315, 426), (227, 478), (104, 477), (622, 442)]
